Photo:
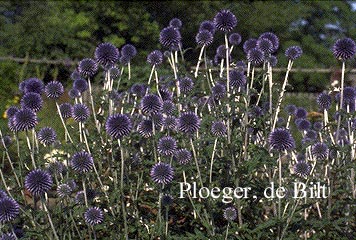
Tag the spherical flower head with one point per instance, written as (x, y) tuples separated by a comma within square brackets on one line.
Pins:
[(218, 91), (24, 119), (221, 51), (170, 37), (255, 56), (129, 51), (303, 124), (170, 123), (32, 101), (165, 94), (272, 60), (138, 89), (82, 162), (8, 236), (80, 199), (188, 122), (273, 38), (349, 95), (249, 45), (344, 49), (225, 21), (301, 113), (230, 214), (237, 78), (80, 84), (145, 128), (114, 72), (162, 173), (175, 22), (290, 109), (118, 126), (64, 190), (9, 209), (186, 85), (74, 93), (11, 111), (47, 136), (218, 129), (235, 39), (54, 89), (38, 181), (106, 54), (204, 38), (158, 119), (281, 139), (66, 110), (34, 85), (318, 126), (75, 75), (151, 104), (293, 52), (302, 168), (311, 134), (265, 45), (87, 67), (81, 112), (22, 86), (155, 58), (93, 216), (167, 146), (320, 150), (207, 25), (240, 66), (168, 107), (11, 124), (324, 101), (166, 200), (183, 156)]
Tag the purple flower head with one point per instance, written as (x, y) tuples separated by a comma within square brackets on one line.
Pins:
[(281, 139), (221, 51), (151, 104), (38, 181), (175, 22), (311, 134), (301, 113), (167, 146), (204, 38), (138, 89), (114, 72), (294, 52), (155, 58), (24, 119), (240, 66), (64, 190), (125, 59), (145, 128), (168, 107), (54, 89), (230, 214), (118, 126), (183, 156), (207, 25), (272, 60), (320, 150), (32, 101), (82, 162), (87, 67), (237, 78), (303, 124), (9, 209), (47, 136), (93, 216), (290, 109), (255, 56), (11, 124), (249, 45), (349, 95), (235, 39), (66, 110), (33, 85), (106, 54), (186, 85), (165, 94), (75, 75), (162, 173), (218, 91), (129, 51), (265, 45), (74, 93), (188, 122), (157, 119), (170, 123), (344, 49), (167, 200), (273, 38), (81, 112), (218, 129), (324, 101), (318, 126), (170, 37), (302, 169), (11, 111), (80, 199), (225, 21)]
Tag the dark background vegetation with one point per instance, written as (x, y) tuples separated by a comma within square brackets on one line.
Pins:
[(72, 30)]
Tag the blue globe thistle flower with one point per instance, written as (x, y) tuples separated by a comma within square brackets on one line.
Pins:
[(225, 21), (237, 78), (114, 72), (54, 89), (81, 112), (66, 110), (22, 86), (162, 173), (34, 85), (138, 89), (9, 209), (300, 157), (24, 119), (8, 236), (218, 91), (183, 156), (155, 58), (302, 168), (273, 38), (349, 95), (168, 107), (11, 111), (188, 122), (32, 101), (80, 199), (81, 85), (11, 124), (281, 139), (207, 25), (170, 123), (320, 150), (72, 184), (165, 94), (235, 39), (221, 51), (204, 38), (38, 181), (218, 129), (170, 37), (75, 75), (158, 119), (114, 95), (145, 128), (175, 22), (129, 51), (342, 133), (294, 52), (230, 214), (324, 101), (344, 49), (93, 216), (257, 111), (64, 190), (280, 121), (151, 104), (255, 56), (87, 67), (311, 134), (272, 60), (118, 126), (301, 113), (303, 124), (249, 45), (74, 93), (240, 66), (82, 162), (166, 200), (186, 85), (265, 45), (106, 54), (3, 194), (167, 146), (47, 136), (318, 126), (124, 60)]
